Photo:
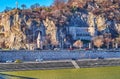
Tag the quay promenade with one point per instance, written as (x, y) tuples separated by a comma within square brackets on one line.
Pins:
[(58, 59), (59, 64)]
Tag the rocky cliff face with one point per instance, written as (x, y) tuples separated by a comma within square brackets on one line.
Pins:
[(51, 29), (11, 30), (19, 27)]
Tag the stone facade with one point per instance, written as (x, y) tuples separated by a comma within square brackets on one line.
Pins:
[(80, 33)]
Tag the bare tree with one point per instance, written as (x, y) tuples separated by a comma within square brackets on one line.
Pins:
[(59, 3), (78, 44), (23, 6), (32, 7), (117, 42), (7, 9), (98, 41), (35, 6), (107, 41)]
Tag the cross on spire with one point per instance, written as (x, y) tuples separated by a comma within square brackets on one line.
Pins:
[(16, 4)]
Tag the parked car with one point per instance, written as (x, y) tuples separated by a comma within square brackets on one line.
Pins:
[(37, 49), (100, 57), (9, 61), (39, 60), (18, 61)]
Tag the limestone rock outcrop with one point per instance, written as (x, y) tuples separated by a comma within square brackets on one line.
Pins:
[(11, 29), (51, 29)]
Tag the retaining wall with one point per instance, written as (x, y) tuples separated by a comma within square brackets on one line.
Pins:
[(56, 55)]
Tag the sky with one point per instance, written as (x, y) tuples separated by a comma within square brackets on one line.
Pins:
[(28, 3)]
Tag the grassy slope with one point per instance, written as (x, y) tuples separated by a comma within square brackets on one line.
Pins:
[(83, 73)]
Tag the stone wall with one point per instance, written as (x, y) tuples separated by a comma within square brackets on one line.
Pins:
[(56, 55)]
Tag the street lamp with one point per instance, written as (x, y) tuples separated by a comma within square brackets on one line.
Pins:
[(62, 39), (92, 32)]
